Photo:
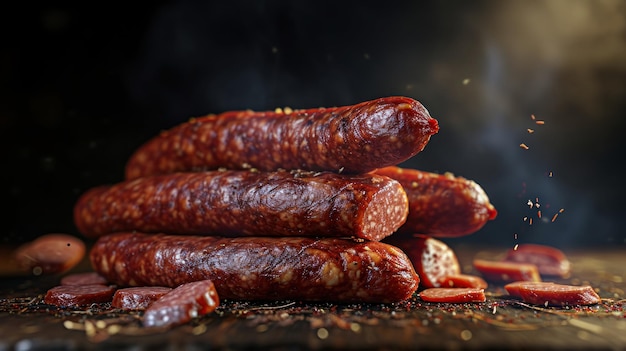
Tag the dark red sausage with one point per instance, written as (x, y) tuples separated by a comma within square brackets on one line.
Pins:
[(78, 295), (244, 203), (506, 272), (87, 278), (557, 294), (441, 205), (462, 281), (50, 253), (432, 258), (138, 298), (352, 139), (180, 305), (453, 295), (549, 260), (260, 268)]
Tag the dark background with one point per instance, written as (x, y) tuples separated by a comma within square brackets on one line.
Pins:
[(81, 88)]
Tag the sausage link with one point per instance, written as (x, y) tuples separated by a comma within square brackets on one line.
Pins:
[(441, 205), (260, 268), (236, 203), (355, 139)]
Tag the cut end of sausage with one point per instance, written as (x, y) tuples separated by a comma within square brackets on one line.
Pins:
[(386, 212)]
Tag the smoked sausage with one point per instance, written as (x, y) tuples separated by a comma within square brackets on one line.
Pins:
[(352, 139), (441, 205), (260, 268), (245, 203)]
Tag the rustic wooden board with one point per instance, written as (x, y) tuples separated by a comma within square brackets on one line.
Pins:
[(499, 323)]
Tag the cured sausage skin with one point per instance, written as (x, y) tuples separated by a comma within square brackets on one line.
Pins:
[(244, 203), (355, 139), (260, 268), (441, 205)]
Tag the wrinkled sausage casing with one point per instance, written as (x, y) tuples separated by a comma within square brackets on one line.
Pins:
[(441, 205), (355, 139), (243, 203), (260, 268)]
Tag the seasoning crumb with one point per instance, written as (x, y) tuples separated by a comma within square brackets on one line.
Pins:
[(530, 131), (524, 146), (540, 122)]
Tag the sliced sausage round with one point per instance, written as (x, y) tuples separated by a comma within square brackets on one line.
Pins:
[(179, 306), (453, 295), (462, 281), (549, 260), (558, 294), (78, 295), (506, 272), (138, 298)]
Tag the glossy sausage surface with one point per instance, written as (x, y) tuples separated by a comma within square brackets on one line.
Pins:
[(351, 139)]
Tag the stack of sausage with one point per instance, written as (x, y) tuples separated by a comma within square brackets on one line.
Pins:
[(288, 204)]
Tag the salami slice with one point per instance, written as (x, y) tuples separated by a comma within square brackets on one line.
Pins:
[(557, 294), (182, 304), (549, 260), (138, 298), (453, 295), (353, 139), (462, 281), (514, 288), (86, 278), (432, 258), (78, 295), (260, 268), (50, 254), (247, 203), (506, 272), (441, 205)]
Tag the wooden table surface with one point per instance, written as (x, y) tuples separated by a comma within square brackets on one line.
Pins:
[(500, 323)]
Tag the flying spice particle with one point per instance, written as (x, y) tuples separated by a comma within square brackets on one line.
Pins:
[(539, 214), (550, 174), (554, 217), (515, 247), (530, 131), (533, 117), (530, 203), (540, 122), (523, 146)]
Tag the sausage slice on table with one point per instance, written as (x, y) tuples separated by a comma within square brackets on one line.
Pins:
[(244, 203), (182, 304), (138, 298), (549, 260), (78, 295), (554, 294), (506, 272), (453, 295), (260, 268), (353, 139), (441, 205)]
